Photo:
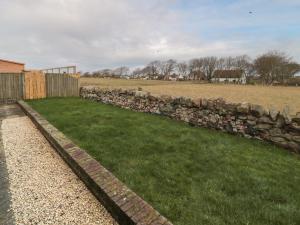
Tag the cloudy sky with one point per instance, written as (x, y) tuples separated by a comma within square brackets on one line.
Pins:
[(95, 34)]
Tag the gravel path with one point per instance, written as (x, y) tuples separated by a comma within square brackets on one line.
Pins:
[(6, 214), (44, 190)]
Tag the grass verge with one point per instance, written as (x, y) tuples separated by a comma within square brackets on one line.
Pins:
[(191, 175)]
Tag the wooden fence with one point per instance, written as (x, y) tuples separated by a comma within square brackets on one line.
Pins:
[(61, 85), (36, 85), (11, 87)]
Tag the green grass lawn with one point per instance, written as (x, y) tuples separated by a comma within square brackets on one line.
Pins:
[(191, 175)]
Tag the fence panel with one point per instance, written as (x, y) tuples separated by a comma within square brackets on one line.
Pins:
[(61, 85), (34, 85), (11, 87)]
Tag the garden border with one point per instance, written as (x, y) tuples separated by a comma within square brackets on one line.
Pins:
[(124, 205)]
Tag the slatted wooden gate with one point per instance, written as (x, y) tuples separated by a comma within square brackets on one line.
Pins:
[(11, 87)]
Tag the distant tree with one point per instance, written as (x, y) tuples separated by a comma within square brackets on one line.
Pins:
[(275, 66), (153, 68), (137, 72), (292, 68), (106, 72), (121, 71), (244, 63), (226, 63), (167, 67), (87, 74), (196, 68), (147, 71), (97, 73), (183, 69), (209, 66)]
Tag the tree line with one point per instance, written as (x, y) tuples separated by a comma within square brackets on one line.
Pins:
[(270, 67)]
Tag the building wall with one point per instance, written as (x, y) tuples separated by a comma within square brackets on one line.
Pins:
[(9, 67), (230, 80)]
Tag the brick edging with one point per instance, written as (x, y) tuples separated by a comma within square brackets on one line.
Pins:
[(124, 205)]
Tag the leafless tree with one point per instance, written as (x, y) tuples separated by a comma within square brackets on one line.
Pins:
[(106, 71), (271, 66), (102, 73), (209, 66), (121, 71), (87, 74), (225, 63), (153, 68), (167, 67), (244, 63), (275, 66), (183, 68), (196, 68), (287, 71), (146, 71), (136, 72)]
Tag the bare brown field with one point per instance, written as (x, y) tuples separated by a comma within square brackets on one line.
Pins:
[(269, 96)]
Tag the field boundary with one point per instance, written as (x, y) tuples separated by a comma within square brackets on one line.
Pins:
[(243, 119), (124, 205)]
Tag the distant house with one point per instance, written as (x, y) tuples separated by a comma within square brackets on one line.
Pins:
[(229, 76), (181, 77), (173, 77), (7, 66), (197, 75)]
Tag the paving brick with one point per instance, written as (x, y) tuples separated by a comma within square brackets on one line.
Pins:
[(159, 221), (110, 185), (92, 166), (121, 198), (124, 197), (150, 217), (129, 203), (69, 145), (117, 191), (141, 214), (84, 160), (135, 209), (77, 154), (71, 150)]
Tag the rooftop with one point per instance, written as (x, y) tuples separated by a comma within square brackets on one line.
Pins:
[(228, 73), (8, 61)]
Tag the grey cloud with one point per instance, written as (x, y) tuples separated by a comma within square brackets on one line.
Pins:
[(95, 34)]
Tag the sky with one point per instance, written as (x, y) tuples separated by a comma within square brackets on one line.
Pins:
[(97, 34)]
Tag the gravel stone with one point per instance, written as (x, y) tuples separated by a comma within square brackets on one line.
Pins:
[(44, 190)]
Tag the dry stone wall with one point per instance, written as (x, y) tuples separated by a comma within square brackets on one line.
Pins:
[(248, 120)]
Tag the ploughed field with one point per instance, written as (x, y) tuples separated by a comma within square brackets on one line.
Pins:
[(191, 175), (277, 97)]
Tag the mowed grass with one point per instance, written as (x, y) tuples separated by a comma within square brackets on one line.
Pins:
[(277, 97), (191, 175)]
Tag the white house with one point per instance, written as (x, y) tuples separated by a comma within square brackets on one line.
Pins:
[(229, 76)]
